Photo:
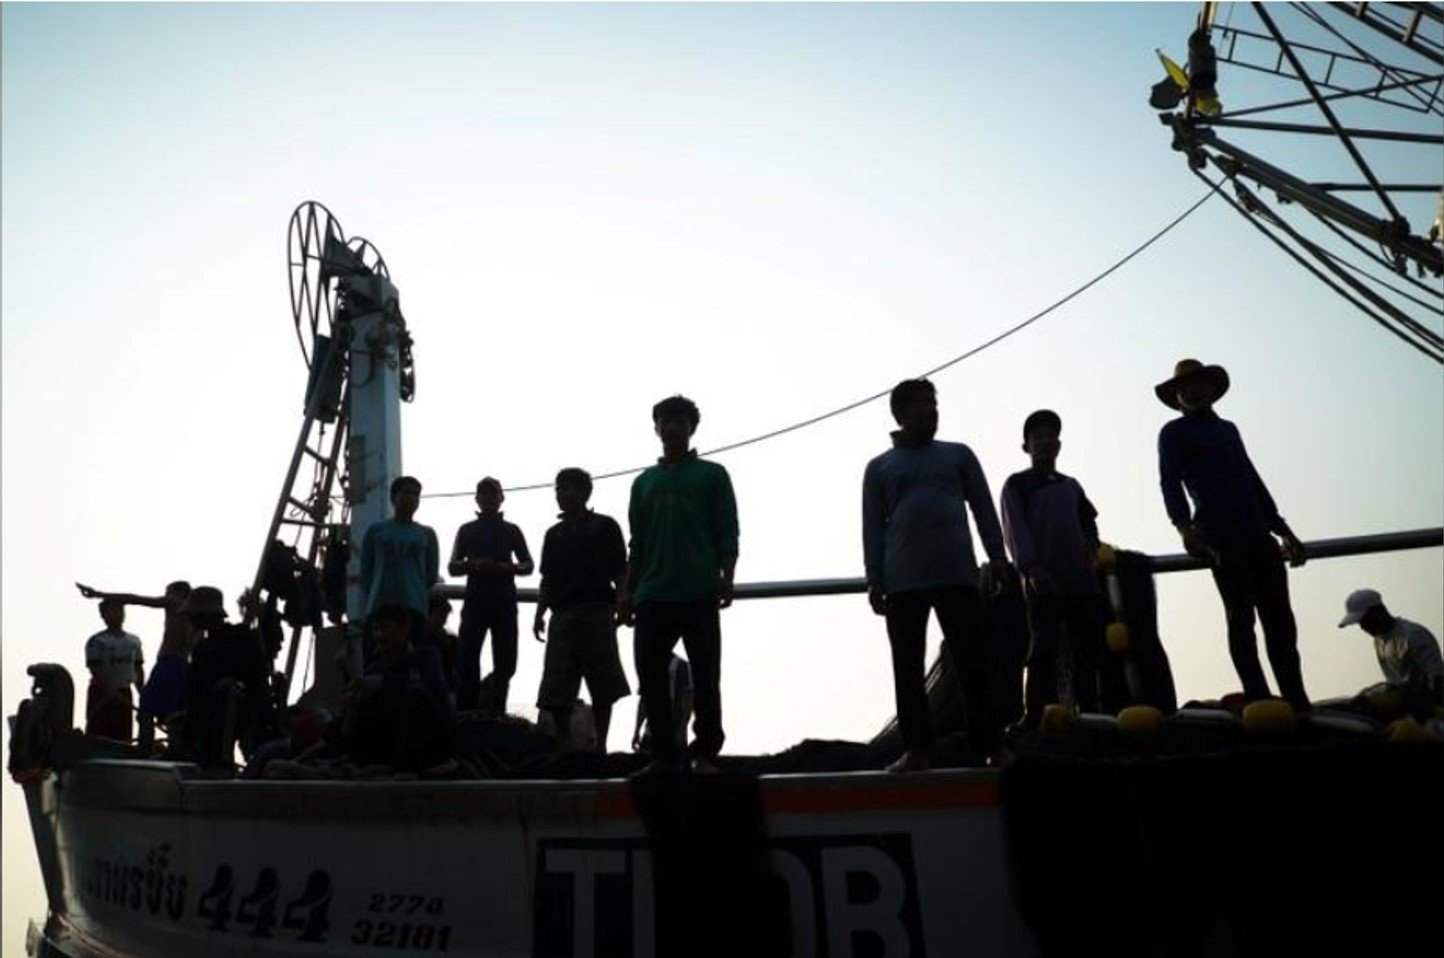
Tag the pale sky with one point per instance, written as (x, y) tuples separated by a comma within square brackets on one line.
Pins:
[(773, 209)]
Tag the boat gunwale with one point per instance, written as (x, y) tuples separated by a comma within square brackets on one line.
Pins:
[(123, 785)]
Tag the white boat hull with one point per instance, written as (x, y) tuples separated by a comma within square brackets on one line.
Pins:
[(151, 861)]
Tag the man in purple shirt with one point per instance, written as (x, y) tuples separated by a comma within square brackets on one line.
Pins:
[(1052, 532), (1232, 525)]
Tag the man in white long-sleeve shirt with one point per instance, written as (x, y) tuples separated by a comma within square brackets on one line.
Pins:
[(1408, 653), (918, 551)]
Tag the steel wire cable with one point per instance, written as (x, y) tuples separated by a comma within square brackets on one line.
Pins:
[(856, 404)]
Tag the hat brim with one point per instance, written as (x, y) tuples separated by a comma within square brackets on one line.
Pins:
[(1354, 618), (1167, 391)]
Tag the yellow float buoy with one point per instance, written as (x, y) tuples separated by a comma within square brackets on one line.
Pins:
[(1055, 719), (1116, 636), (1268, 715), (1139, 720), (1408, 731)]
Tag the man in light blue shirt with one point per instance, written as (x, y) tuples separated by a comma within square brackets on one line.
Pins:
[(400, 557), (919, 556)]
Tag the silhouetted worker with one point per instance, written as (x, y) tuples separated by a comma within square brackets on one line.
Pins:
[(1052, 532), (683, 518), (438, 635), (1409, 654), (228, 668), (584, 559), (919, 557), (1232, 525), (116, 662), (167, 690), (400, 561), (491, 553), (398, 713)]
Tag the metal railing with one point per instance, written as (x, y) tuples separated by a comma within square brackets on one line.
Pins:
[(1173, 562)]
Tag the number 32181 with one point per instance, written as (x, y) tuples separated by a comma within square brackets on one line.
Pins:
[(420, 936)]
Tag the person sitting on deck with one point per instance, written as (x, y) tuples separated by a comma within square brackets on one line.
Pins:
[(1409, 654), (439, 612), (116, 662), (1232, 525), (491, 553), (1051, 529), (584, 558), (398, 714), (919, 558)]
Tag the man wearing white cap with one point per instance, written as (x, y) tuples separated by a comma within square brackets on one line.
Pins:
[(1408, 653)]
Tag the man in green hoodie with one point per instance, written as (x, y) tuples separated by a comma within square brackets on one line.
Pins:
[(682, 556)]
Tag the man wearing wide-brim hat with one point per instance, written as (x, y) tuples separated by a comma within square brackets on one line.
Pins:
[(1232, 524)]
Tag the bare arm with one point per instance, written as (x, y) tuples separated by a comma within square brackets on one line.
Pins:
[(124, 598)]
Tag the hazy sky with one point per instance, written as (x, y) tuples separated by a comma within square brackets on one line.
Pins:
[(774, 209)]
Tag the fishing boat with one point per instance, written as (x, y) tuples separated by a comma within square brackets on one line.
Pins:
[(148, 857), (1193, 833)]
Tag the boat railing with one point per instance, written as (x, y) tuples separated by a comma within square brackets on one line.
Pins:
[(1173, 562)]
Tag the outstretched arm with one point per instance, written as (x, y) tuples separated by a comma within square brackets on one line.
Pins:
[(124, 598)]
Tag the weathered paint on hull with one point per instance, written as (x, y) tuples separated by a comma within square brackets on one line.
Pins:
[(152, 862)]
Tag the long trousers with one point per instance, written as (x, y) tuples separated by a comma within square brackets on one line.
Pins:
[(477, 619), (658, 627), (960, 615), (1250, 575), (1073, 624)]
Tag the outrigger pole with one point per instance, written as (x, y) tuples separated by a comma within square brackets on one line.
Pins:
[(1191, 108)]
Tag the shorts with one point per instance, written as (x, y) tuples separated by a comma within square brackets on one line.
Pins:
[(582, 644), (167, 690), (107, 712)]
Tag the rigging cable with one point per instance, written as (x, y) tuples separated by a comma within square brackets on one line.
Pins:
[(530, 487), (1299, 258), (1378, 281), (1335, 265), (1384, 262)]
